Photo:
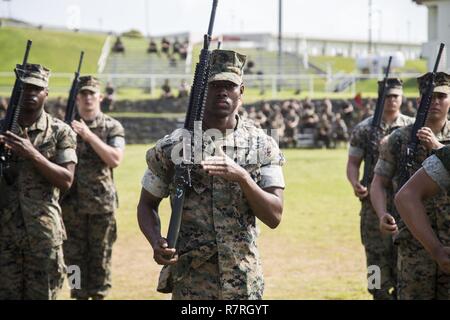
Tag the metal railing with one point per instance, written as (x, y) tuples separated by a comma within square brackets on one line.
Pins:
[(267, 83)]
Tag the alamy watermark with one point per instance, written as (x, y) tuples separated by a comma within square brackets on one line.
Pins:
[(74, 277), (73, 21), (373, 277)]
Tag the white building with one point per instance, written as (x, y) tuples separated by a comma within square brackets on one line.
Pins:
[(323, 46), (438, 31)]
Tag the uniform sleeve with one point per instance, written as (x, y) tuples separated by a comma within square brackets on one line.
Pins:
[(116, 135), (157, 177), (436, 170), (271, 165), (153, 184), (66, 146), (386, 163), (357, 142)]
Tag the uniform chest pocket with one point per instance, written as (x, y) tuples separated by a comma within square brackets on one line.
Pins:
[(254, 170), (48, 149), (200, 181)]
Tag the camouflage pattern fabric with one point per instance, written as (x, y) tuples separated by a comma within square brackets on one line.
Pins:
[(93, 190), (379, 249), (31, 227), (88, 211), (227, 65), (90, 238), (218, 256), (437, 167), (417, 272)]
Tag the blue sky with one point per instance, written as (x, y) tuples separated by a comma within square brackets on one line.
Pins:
[(392, 20)]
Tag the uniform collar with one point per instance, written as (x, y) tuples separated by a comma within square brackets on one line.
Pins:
[(96, 122), (41, 123), (444, 134)]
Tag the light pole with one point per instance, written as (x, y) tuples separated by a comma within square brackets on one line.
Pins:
[(146, 17), (9, 7), (370, 28), (280, 51)]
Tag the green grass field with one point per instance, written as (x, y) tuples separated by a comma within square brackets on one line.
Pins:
[(315, 253), (59, 51)]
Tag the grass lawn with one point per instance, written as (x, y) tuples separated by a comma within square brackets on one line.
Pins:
[(315, 253), (59, 51)]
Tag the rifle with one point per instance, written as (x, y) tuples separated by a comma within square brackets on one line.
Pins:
[(197, 99), (374, 128), (12, 113), (70, 109), (421, 117)]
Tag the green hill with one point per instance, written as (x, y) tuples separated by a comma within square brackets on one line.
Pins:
[(57, 50)]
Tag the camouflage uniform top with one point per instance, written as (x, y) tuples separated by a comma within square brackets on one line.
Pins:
[(438, 167), (390, 164), (360, 140), (217, 218), (31, 194), (93, 191)]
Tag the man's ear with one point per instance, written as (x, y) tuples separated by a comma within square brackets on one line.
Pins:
[(242, 89)]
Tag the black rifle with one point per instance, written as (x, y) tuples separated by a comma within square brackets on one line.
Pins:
[(421, 117), (70, 109), (10, 123), (197, 99), (374, 140)]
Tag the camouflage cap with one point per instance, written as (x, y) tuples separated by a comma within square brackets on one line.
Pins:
[(34, 74), (227, 65), (89, 83), (394, 86), (442, 82)]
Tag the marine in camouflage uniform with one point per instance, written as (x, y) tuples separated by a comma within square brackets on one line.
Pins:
[(416, 271), (378, 248), (431, 180), (31, 226), (217, 253), (88, 209)]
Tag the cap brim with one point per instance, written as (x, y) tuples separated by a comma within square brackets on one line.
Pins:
[(394, 91), (89, 88), (35, 81), (226, 76), (442, 89)]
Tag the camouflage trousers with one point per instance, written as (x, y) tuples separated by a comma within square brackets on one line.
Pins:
[(28, 273), (380, 252), (200, 283), (90, 238), (203, 282), (417, 272)]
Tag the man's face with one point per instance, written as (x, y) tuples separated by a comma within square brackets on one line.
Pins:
[(392, 102), (89, 101), (440, 103), (33, 97), (223, 98)]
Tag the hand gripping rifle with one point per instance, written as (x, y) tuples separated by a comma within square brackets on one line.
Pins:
[(422, 112), (197, 99), (10, 122), (70, 109), (374, 129)]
